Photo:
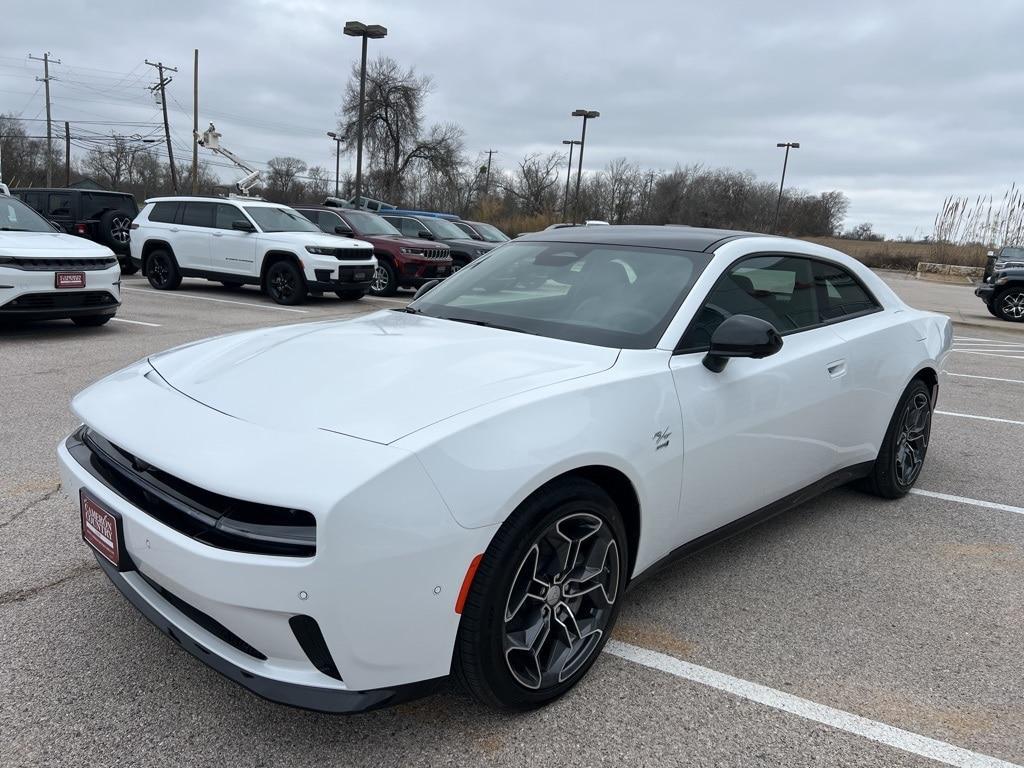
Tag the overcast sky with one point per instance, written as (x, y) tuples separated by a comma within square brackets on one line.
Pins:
[(897, 103)]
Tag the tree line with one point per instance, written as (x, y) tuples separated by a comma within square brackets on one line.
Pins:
[(415, 165)]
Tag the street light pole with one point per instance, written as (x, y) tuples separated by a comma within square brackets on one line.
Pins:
[(785, 161), (337, 159), (568, 175), (586, 114), (365, 31)]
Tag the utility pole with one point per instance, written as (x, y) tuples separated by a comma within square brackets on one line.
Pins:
[(161, 85), (487, 177), (195, 123), (568, 174), (67, 154), (45, 58)]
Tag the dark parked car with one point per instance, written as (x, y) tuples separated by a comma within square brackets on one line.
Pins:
[(402, 262), (478, 230), (1007, 256), (464, 250), (103, 217), (1003, 293)]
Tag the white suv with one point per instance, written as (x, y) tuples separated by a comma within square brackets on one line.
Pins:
[(239, 242), (45, 274)]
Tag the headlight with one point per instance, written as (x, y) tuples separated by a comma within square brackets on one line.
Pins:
[(414, 251), (1001, 280), (321, 250)]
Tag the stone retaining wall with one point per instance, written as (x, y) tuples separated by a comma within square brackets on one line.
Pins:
[(949, 273)]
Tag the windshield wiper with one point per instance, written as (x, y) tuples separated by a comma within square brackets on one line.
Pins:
[(410, 310), (485, 324), (14, 229)]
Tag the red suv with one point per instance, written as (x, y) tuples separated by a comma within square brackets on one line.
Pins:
[(402, 262)]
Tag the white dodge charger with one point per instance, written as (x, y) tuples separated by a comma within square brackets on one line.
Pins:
[(337, 515)]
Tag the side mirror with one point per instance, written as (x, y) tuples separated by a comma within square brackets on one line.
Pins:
[(425, 288), (243, 226), (990, 254), (424, 234), (344, 231), (741, 336)]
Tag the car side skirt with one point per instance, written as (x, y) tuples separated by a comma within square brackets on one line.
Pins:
[(692, 547)]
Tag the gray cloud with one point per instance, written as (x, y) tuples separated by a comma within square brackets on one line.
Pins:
[(897, 104)]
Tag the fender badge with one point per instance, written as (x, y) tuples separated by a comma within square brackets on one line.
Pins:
[(661, 438)]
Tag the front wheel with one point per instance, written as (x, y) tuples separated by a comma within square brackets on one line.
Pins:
[(901, 458), (128, 267), (1010, 305), (285, 284), (162, 271), (544, 598), (385, 280)]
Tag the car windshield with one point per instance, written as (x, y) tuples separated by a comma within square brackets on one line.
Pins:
[(272, 219), (1017, 254), (15, 216), (370, 224), (608, 295), (443, 229), (490, 234)]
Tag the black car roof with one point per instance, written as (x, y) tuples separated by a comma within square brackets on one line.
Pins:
[(683, 238), (71, 189)]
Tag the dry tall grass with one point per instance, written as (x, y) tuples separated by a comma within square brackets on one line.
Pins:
[(888, 254), (963, 222)]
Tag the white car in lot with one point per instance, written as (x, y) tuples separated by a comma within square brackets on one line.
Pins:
[(247, 242), (602, 400), (46, 274)]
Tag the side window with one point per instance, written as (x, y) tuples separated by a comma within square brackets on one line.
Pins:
[(227, 215), (411, 227), (779, 289), (328, 221), (198, 215), (163, 213), (34, 200), (59, 205), (839, 293)]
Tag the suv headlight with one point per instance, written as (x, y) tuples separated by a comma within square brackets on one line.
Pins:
[(1000, 279), (321, 250), (413, 251)]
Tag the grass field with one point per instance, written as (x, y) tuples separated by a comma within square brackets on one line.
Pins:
[(888, 254)]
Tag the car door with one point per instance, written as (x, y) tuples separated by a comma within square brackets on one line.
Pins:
[(192, 234), (759, 430), (232, 251)]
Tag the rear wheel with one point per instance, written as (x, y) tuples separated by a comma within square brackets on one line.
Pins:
[(385, 280), (901, 458), (285, 284), (1010, 305), (544, 598), (128, 266), (91, 321), (162, 271)]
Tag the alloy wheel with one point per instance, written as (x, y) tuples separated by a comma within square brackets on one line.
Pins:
[(1012, 305), (380, 281), (282, 284), (561, 601), (120, 227), (159, 270), (915, 424)]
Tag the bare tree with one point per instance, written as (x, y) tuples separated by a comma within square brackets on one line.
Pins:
[(533, 183), (318, 184), (283, 184)]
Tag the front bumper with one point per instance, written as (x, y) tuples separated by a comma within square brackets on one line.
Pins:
[(985, 291), (31, 295), (340, 276), (340, 701)]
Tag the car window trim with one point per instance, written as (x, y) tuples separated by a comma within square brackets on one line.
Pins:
[(679, 350)]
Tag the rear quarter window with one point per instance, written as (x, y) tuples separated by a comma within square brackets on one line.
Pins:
[(164, 213)]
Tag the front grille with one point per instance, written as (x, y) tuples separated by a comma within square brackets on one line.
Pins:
[(213, 519), (205, 621), (437, 253), (57, 265), (56, 300), (351, 254)]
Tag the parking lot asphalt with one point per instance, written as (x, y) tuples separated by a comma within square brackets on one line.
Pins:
[(909, 614)]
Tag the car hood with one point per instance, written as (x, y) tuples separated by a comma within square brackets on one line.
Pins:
[(378, 377), (44, 244), (302, 239), (482, 245)]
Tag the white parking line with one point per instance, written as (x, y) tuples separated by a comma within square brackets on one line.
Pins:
[(809, 710), (971, 502), (134, 322), (989, 378), (979, 418), (988, 354), (165, 294)]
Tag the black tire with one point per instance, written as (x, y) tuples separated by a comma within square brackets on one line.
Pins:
[(162, 271), (905, 441), (115, 230), (285, 283), (992, 310), (487, 661), (128, 266), (1009, 304), (385, 280), (91, 321), (350, 295), (231, 285)]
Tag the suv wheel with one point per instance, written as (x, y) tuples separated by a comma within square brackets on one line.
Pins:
[(115, 230), (162, 271), (385, 280), (285, 284), (905, 445), (1010, 305), (544, 598), (128, 266)]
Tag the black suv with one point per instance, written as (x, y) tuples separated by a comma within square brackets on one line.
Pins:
[(103, 217), (1003, 292)]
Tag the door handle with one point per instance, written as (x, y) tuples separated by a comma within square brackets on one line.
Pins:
[(218, 234), (174, 229), (836, 369)]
